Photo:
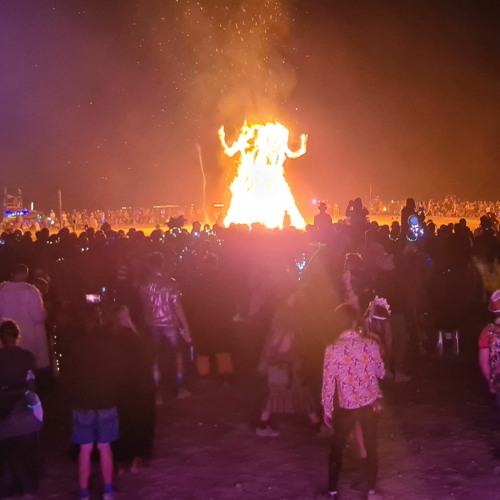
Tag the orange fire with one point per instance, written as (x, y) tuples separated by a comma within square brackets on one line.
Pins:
[(260, 192)]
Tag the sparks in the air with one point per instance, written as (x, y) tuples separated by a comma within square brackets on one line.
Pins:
[(260, 192)]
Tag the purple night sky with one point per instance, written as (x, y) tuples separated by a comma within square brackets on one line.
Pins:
[(108, 100)]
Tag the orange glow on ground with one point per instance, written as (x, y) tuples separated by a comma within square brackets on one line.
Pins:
[(260, 192)]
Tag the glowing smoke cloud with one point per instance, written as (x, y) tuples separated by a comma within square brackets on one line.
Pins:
[(260, 192)]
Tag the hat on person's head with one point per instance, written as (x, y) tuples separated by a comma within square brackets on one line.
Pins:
[(378, 309), (380, 312), (494, 305)]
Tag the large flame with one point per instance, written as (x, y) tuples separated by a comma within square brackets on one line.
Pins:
[(260, 192)]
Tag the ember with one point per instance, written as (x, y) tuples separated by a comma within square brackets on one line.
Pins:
[(260, 192)]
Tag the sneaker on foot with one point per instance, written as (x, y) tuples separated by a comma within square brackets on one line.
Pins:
[(266, 432), (330, 494), (183, 393)]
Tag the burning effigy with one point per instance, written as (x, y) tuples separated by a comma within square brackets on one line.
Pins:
[(260, 192)]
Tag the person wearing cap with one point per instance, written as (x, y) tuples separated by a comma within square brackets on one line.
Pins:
[(356, 212), (322, 220), (323, 223), (489, 348)]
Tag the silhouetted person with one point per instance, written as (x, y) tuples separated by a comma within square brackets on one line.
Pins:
[(92, 377), (165, 318), (322, 220), (18, 429), (406, 212), (356, 212)]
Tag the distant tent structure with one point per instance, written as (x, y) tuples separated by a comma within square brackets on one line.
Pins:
[(12, 202)]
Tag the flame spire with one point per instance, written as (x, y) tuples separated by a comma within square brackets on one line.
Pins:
[(259, 190)]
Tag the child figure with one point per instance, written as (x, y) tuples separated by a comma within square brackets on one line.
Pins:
[(286, 392)]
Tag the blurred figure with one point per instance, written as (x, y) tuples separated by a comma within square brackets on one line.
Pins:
[(377, 328), (286, 391), (23, 303), (19, 426), (356, 286), (287, 220), (489, 349), (356, 212), (407, 211), (212, 308), (322, 220), (136, 392), (323, 223), (373, 255), (413, 273), (486, 246), (164, 316)]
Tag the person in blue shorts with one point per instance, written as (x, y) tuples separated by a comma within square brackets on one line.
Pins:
[(92, 380)]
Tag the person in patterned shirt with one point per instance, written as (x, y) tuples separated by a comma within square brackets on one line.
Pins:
[(489, 348), (351, 393)]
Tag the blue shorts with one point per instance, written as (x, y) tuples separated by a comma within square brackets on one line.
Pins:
[(95, 426)]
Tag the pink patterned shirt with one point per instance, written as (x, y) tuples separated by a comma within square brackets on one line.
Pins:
[(352, 366)]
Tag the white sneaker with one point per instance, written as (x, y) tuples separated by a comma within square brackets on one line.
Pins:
[(266, 432)]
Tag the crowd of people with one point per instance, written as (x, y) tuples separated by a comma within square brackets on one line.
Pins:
[(77, 220), (449, 206), (125, 320)]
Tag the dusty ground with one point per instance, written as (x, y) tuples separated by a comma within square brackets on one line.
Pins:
[(434, 443)]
